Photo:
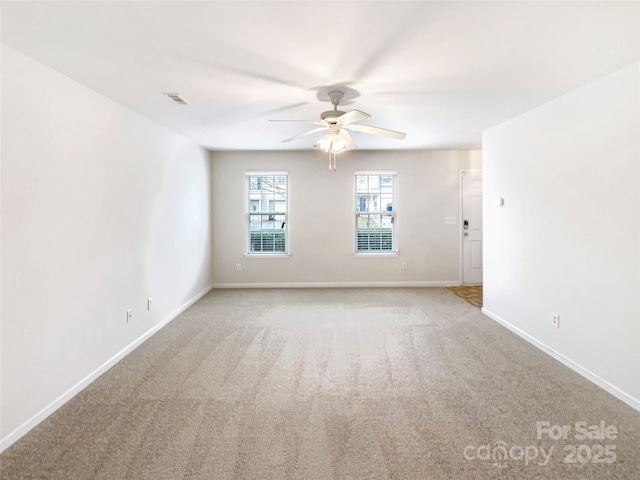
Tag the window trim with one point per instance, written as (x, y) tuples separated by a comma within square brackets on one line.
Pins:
[(247, 231), (395, 251)]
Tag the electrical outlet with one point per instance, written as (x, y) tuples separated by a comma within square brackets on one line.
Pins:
[(238, 267), (149, 303), (129, 315), (404, 265), (555, 319)]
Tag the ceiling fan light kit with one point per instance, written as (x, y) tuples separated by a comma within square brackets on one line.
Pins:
[(339, 123)]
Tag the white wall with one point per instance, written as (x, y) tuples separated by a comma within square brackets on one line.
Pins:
[(321, 217), (567, 239), (101, 209)]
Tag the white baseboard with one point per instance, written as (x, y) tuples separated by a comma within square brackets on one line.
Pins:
[(338, 284), (592, 377), (25, 427)]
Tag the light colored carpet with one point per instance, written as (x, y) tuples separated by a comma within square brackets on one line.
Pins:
[(328, 384)]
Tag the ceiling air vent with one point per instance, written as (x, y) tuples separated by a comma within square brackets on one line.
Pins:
[(175, 97)]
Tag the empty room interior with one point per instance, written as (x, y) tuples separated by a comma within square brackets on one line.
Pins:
[(320, 240)]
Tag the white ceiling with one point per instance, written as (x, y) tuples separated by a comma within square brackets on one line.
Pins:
[(440, 71)]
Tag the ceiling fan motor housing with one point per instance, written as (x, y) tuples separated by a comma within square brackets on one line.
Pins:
[(331, 115)]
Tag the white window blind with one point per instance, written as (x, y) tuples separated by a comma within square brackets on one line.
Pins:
[(266, 212), (375, 208)]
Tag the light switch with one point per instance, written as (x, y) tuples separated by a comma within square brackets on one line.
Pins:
[(499, 201), (450, 220)]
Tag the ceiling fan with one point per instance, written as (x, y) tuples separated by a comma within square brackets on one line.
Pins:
[(339, 123)]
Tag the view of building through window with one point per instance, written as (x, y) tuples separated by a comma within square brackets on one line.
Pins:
[(266, 212), (375, 212)]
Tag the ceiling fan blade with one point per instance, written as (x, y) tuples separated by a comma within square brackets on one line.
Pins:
[(304, 134), (377, 131), (352, 116), (347, 136)]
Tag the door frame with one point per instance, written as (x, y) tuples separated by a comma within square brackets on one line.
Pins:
[(461, 221)]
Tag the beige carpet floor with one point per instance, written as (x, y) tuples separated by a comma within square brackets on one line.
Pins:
[(331, 384)]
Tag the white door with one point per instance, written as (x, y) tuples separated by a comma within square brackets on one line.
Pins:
[(471, 185)]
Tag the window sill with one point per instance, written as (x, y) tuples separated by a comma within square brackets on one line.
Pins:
[(266, 255), (375, 254)]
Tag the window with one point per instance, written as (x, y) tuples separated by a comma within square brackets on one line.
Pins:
[(375, 206), (266, 212)]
